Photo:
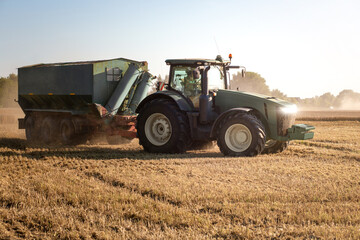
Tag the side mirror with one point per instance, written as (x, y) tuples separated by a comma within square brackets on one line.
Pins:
[(243, 73), (196, 74)]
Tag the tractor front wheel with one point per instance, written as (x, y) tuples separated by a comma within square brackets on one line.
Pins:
[(241, 134)]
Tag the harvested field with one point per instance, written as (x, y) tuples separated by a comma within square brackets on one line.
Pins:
[(329, 115), (310, 191)]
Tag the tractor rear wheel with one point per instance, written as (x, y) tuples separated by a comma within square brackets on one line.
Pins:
[(162, 127), (273, 146), (241, 134)]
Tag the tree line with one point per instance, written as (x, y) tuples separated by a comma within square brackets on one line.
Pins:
[(8, 90)]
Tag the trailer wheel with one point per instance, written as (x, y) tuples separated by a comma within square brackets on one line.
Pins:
[(162, 127), (31, 129), (241, 134), (49, 130), (273, 146), (67, 132)]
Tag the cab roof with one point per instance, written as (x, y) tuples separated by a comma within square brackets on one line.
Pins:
[(195, 61)]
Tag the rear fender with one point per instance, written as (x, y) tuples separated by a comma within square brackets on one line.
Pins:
[(183, 103), (224, 115)]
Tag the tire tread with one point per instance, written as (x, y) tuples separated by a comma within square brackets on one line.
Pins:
[(256, 123), (182, 140)]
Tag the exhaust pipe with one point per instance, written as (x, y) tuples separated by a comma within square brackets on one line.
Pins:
[(204, 98)]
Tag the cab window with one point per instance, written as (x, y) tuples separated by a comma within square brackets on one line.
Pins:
[(216, 78), (183, 80)]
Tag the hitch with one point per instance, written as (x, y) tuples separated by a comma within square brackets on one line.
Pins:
[(300, 132)]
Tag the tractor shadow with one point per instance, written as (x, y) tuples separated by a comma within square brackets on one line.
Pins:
[(20, 148)]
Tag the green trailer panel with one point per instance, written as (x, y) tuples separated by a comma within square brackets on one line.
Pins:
[(71, 86)]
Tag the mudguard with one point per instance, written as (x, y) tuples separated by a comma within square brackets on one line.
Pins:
[(223, 115), (183, 103)]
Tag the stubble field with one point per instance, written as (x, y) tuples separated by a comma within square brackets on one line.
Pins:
[(310, 191)]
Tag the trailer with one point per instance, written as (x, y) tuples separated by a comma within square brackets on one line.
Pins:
[(71, 102)]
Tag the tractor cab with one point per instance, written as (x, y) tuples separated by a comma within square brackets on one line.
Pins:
[(195, 77)]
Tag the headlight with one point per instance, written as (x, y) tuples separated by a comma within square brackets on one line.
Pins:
[(289, 109)]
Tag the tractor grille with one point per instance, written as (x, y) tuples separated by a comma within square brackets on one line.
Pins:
[(284, 121)]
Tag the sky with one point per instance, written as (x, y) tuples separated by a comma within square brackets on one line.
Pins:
[(303, 48)]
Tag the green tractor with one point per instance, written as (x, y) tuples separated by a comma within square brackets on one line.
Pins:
[(197, 108)]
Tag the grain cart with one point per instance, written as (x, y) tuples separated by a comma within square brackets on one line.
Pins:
[(197, 107), (71, 102)]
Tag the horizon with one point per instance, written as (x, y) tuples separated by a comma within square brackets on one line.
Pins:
[(304, 49)]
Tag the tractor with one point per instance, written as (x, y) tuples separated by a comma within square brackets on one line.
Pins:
[(197, 107)]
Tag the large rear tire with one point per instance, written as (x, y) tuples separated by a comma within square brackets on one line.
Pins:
[(162, 127), (273, 146), (241, 134)]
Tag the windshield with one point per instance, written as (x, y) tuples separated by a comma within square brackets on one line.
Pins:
[(216, 78), (184, 81)]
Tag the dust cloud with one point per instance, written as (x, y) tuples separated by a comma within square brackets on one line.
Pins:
[(350, 104), (10, 110), (9, 123)]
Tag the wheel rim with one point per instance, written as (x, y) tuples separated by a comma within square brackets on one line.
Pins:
[(158, 129), (270, 143), (238, 137)]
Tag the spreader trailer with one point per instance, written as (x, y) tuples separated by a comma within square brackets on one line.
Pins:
[(70, 103)]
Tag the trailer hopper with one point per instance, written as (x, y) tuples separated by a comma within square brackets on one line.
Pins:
[(72, 101)]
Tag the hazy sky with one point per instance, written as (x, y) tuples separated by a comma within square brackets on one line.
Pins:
[(303, 48)]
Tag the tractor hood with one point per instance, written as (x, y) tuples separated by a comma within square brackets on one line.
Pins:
[(227, 99), (278, 116)]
